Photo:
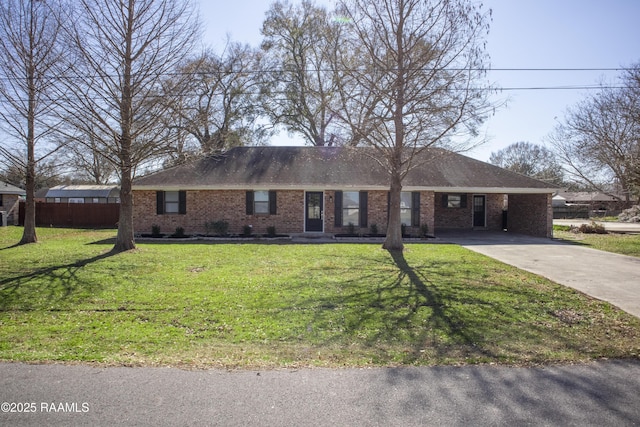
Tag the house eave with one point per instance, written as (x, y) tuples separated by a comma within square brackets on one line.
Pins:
[(329, 187)]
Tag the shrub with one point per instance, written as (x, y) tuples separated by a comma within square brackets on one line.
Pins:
[(179, 232), (374, 229), (593, 228), (271, 231), (155, 230), (424, 230), (403, 229), (219, 228), (351, 229), (247, 230)]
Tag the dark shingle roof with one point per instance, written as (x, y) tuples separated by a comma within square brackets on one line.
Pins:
[(333, 168)]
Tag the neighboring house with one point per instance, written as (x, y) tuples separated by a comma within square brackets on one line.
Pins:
[(83, 194), (325, 189), (584, 204), (9, 196)]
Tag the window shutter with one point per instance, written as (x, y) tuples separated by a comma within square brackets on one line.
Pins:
[(338, 208), (415, 209), (159, 202), (273, 207), (445, 200), (463, 201), (249, 207), (364, 198), (182, 202)]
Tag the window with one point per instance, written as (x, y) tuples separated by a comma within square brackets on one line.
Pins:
[(261, 202), (76, 199), (405, 208), (171, 202), (0, 199), (351, 207), (454, 201)]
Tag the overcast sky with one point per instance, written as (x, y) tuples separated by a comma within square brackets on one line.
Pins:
[(525, 34)]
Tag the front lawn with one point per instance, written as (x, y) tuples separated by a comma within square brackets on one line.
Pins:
[(283, 305), (625, 244)]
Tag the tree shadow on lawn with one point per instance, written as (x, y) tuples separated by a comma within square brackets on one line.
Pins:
[(421, 312), (47, 286)]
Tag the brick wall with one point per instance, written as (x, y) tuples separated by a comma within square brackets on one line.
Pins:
[(531, 214), (528, 214), (377, 213), (462, 218), (216, 205), (229, 205), (495, 207)]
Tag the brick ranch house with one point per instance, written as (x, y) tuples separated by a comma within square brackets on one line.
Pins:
[(325, 189)]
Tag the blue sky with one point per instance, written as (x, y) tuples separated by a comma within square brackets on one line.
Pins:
[(574, 34)]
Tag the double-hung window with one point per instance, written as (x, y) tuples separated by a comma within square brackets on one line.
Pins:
[(171, 202), (261, 202), (351, 207)]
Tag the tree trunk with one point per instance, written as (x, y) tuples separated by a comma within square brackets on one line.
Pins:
[(29, 231), (393, 241), (125, 240)]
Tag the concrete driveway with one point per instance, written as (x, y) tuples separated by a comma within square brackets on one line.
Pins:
[(603, 275)]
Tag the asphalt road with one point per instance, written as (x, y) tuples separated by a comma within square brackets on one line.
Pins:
[(615, 227), (596, 394)]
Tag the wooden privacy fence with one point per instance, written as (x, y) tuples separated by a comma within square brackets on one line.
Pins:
[(74, 215)]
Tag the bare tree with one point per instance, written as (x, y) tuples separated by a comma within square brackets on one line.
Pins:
[(214, 99), (300, 89), (414, 81), (599, 141), (125, 48), (89, 165), (530, 159), (29, 55)]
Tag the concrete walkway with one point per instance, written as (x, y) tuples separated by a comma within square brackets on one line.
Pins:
[(603, 275)]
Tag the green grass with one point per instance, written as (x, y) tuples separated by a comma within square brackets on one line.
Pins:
[(625, 244), (200, 305)]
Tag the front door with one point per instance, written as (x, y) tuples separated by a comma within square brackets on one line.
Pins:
[(479, 211), (314, 211)]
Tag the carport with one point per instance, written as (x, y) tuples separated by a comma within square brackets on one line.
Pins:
[(521, 211)]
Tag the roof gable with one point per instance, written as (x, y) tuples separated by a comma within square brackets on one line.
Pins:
[(332, 167)]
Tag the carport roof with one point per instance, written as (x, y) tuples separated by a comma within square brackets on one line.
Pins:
[(83, 191), (336, 168)]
